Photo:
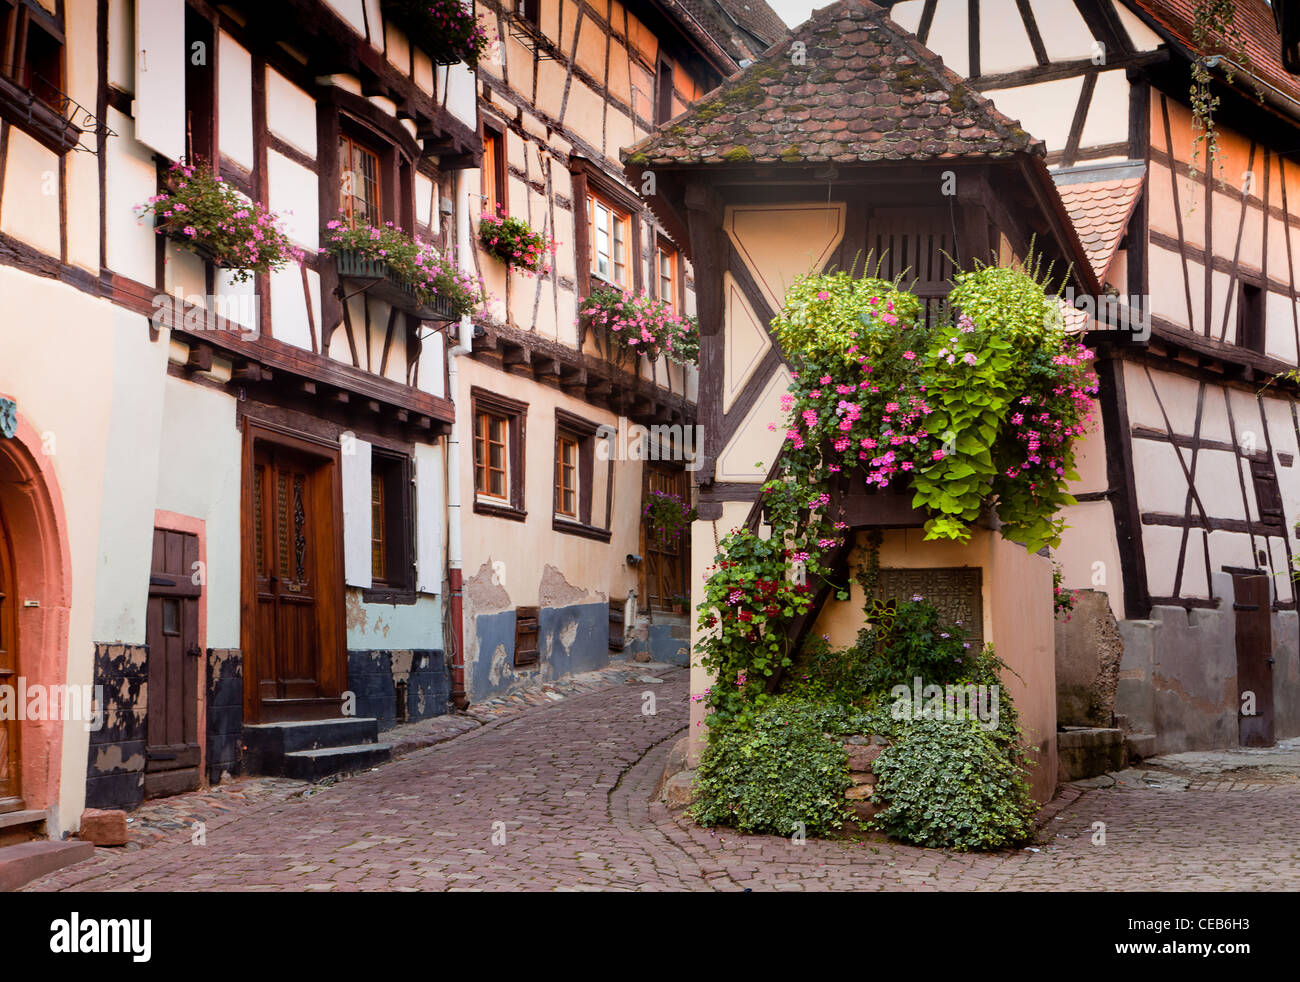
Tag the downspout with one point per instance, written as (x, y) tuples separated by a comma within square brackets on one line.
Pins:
[(455, 578)]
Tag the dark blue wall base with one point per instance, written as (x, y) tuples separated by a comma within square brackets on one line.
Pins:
[(371, 677), (666, 640), (493, 669), (225, 685), (115, 765)]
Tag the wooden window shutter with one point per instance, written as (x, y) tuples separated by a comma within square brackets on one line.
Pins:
[(526, 636), (355, 478), (1268, 496), (159, 106)]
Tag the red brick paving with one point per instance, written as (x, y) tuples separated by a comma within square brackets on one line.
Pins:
[(571, 783)]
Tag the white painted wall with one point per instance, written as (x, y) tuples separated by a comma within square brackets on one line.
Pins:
[(235, 99), (199, 468)]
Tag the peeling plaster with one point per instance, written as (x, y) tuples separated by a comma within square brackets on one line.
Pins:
[(355, 612), (556, 591), (486, 591)]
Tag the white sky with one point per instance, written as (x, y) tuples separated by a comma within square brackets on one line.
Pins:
[(795, 12)]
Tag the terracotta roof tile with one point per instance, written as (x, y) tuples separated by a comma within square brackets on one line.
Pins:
[(892, 95), (1100, 211), (1253, 20)]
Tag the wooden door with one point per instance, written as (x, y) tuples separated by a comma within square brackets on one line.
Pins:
[(666, 563), (294, 658), (172, 633), (1254, 659), (10, 761)]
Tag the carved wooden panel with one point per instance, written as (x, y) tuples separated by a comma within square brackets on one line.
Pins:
[(955, 590)]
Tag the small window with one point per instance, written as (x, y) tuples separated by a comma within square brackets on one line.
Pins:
[(1250, 317), (30, 54), (498, 454), (664, 93), (566, 475), (666, 267), (359, 183), (609, 228), (494, 170), (392, 526), (583, 483), (528, 11), (491, 444)]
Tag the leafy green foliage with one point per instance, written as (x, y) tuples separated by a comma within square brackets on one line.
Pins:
[(780, 770), (949, 784), (984, 410)]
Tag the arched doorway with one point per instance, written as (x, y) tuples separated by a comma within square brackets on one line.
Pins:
[(35, 580), (11, 791)]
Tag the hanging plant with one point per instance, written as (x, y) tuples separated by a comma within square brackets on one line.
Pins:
[(447, 29), (205, 215), (984, 409), (667, 517), (1215, 36), (624, 322), (434, 280), (512, 241)]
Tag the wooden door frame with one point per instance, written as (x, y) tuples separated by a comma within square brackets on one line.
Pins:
[(327, 548)]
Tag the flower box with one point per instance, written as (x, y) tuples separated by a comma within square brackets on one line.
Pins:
[(447, 30), (391, 287)]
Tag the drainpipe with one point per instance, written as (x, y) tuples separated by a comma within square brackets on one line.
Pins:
[(455, 578)]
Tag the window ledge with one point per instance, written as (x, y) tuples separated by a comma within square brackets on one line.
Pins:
[(499, 510), (571, 527), (21, 108)]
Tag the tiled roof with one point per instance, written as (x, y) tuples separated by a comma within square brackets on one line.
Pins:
[(741, 28), (867, 91), (1254, 21), (1100, 202)]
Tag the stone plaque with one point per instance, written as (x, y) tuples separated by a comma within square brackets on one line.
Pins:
[(955, 590)]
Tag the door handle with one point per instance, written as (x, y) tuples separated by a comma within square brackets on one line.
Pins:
[(194, 651), (1270, 661)]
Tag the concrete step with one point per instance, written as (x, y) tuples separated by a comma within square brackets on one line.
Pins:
[(1139, 746), (312, 764), (1085, 751), (28, 861), (268, 745)]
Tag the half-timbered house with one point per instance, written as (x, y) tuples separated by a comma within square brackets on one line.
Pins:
[(567, 438), (222, 502), (1189, 494), (856, 145)]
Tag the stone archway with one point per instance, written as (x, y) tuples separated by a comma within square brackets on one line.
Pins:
[(39, 579)]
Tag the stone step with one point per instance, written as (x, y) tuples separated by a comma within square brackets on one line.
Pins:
[(266, 744), (1139, 746), (1084, 752), (27, 861), (28, 816), (312, 764)]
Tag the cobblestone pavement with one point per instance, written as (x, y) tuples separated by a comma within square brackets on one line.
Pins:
[(558, 797)]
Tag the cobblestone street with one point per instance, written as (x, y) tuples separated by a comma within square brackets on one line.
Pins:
[(557, 796)]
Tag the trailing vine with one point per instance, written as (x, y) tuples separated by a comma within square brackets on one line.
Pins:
[(1214, 27)]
